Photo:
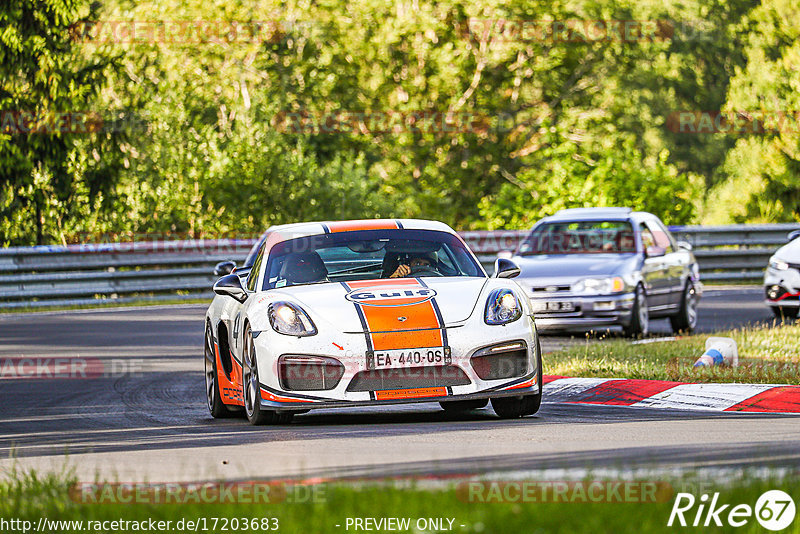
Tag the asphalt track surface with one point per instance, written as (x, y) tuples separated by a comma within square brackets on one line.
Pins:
[(148, 421)]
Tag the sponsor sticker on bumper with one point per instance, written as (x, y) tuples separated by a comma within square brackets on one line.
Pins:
[(410, 393)]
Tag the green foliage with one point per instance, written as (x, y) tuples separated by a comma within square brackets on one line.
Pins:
[(205, 149), (763, 174), (48, 176)]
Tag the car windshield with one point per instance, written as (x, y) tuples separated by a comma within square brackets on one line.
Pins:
[(580, 237), (367, 255)]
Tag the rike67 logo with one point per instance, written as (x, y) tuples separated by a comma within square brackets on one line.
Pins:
[(774, 510)]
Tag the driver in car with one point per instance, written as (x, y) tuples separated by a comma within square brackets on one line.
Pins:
[(415, 263)]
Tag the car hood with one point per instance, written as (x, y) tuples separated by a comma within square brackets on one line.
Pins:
[(562, 267), (347, 305)]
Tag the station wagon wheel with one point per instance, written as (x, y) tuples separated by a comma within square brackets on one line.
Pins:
[(686, 319), (251, 388), (213, 397), (640, 316), (784, 312)]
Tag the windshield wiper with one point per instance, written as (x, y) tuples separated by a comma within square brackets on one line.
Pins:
[(357, 269)]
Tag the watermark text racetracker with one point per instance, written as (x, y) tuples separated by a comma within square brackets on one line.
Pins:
[(184, 32), (736, 122), (70, 122), (150, 493), (45, 368), (395, 121), (549, 491)]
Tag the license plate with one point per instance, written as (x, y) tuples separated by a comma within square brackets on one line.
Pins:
[(554, 306), (399, 358)]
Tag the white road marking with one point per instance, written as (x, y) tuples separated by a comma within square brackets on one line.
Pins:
[(703, 396)]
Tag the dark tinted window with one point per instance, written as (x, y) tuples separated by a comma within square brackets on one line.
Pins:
[(366, 255), (580, 237)]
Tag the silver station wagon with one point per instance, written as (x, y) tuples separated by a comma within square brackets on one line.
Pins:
[(593, 268)]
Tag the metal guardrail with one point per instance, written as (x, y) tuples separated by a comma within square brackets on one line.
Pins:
[(175, 270)]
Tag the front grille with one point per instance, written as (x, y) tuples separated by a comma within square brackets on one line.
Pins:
[(307, 373), (411, 377), (549, 289), (501, 365)]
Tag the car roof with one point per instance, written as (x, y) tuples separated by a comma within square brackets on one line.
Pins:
[(593, 214), (295, 230)]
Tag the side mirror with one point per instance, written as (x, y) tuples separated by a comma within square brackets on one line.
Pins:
[(505, 254), (794, 234), (685, 245), (654, 251), (504, 268), (224, 267), (231, 286)]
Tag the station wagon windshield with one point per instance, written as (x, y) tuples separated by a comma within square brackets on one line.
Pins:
[(580, 237)]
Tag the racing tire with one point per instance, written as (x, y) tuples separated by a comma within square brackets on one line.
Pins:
[(463, 405), (251, 388), (686, 318), (516, 407), (640, 316), (214, 402), (782, 312)]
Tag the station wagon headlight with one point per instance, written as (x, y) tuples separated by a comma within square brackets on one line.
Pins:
[(599, 286), (290, 319), (778, 265), (502, 307)]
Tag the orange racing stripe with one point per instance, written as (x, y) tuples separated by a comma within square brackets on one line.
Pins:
[(421, 329), (352, 226)]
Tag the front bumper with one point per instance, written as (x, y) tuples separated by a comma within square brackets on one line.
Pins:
[(464, 341), (589, 311)]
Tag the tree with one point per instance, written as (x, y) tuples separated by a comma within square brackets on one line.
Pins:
[(55, 157)]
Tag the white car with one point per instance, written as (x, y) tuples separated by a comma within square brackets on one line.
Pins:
[(357, 313), (782, 279)]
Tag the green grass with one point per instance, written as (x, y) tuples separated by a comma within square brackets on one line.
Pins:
[(767, 355), (30, 497)]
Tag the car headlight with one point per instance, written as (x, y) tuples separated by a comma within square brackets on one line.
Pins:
[(778, 265), (502, 307), (599, 286), (290, 319)]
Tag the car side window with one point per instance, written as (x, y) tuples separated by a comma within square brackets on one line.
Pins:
[(253, 276), (661, 236), (647, 236)]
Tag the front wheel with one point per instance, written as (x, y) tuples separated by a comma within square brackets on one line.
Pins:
[(640, 316), (686, 319), (213, 397), (251, 388), (784, 312)]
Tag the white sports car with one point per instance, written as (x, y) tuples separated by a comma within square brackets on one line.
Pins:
[(369, 312), (782, 279)]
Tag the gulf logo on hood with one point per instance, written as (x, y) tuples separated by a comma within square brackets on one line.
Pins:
[(390, 296)]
